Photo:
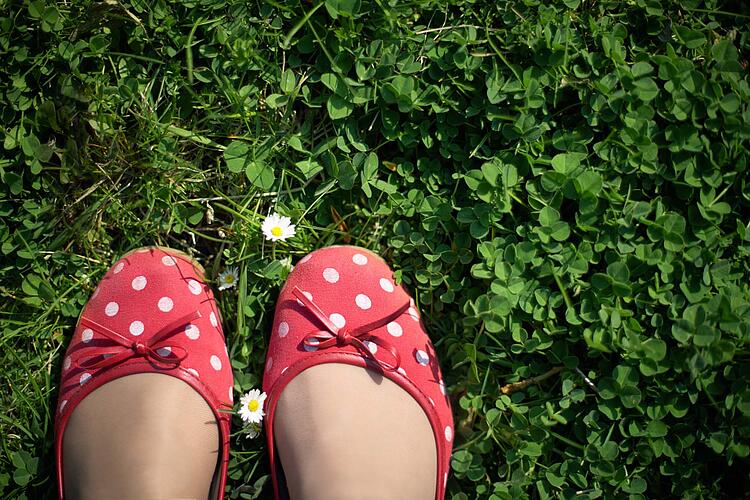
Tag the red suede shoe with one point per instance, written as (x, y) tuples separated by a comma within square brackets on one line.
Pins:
[(342, 305), (152, 313)]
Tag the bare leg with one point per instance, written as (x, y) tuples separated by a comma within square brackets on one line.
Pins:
[(344, 432), (143, 436)]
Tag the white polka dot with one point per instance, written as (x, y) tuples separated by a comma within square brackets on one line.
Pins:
[(337, 320), (66, 363), (165, 304), (119, 267), (212, 318), (285, 369), (305, 258), (193, 371), (164, 351), (371, 346), (96, 292), (215, 362), (422, 357), (87, 335), (107, 356), (84, 378), (363, 301), (413, 314), (168, 260), (330, 275), (311, 348), (442, 387), (306, 294), (192, 332), (359, 259), (194, 287), (62, 405), (431, 401), (136, 328), (394, 329), (401, 371), (138, 283), (448, 433), (111, 308), (144, 250), (283, 329), (269, 364), (445, 480), (231, 394), (386, 285)]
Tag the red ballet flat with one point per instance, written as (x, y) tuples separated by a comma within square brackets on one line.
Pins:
[(152, 313), (342, 305)]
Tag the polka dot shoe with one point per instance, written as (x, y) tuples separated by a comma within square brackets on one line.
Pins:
[(342, 305), (152, 313)]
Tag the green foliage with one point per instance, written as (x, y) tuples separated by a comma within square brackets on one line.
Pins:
[(561, 184)]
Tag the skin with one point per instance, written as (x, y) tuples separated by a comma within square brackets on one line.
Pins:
[(143, 436), (126, 439), (344, 432)]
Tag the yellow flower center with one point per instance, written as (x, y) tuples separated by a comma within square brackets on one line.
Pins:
[(253, 405), (229, 278), (276, 231)]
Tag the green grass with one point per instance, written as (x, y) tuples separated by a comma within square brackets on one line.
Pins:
[(563, 185)]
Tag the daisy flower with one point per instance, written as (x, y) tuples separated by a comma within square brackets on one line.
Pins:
[(276, 227), (251, 406), (251, 431), (228, 278)]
